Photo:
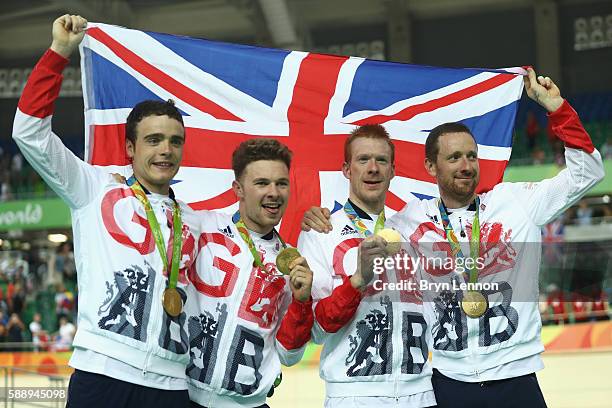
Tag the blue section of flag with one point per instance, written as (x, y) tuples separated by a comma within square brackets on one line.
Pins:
[(253, 70), (106, 92), (379, 84), (494, 128), (106, 95)]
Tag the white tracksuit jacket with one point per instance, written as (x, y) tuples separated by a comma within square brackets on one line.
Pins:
[(244, 323), (119, 270), (373, 345), (505, 341)]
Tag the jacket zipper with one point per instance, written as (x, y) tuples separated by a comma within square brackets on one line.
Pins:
[(231, 318), (146, 364)]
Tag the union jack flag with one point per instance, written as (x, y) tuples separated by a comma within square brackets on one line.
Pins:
[(229, 93)]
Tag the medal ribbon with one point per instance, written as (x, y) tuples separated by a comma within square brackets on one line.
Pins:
[(246, 237), (454, 242), (177, 230), (358, 223)]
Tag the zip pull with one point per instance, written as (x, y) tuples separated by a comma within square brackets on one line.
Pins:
[(146, 364), (462, 233)]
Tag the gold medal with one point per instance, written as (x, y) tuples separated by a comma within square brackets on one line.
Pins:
[(393, 238), (173, 304), (284, 258), (474, 304)]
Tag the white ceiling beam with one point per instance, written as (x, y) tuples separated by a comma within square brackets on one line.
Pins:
[(280, 24)]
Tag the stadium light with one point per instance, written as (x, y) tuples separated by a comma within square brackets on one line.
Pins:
[(57, 238)]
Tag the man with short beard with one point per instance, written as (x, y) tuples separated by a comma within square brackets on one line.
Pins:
[(486, 343), (248, 318)]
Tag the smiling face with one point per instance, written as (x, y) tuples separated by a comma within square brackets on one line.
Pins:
[(369, 171), (456, 168), (263, 191), (157, 152)]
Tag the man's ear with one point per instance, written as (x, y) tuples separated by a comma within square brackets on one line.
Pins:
[(237, 187), (346, 170), (129, 149), (431, 168)]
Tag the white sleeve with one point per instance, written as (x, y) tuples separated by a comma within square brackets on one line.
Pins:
[(75, 181), (289, 358), (546, 200), (318, 334), (71, 178)]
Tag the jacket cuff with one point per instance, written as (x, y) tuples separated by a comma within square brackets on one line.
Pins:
[(296, 325), (336, 310), (566, 125), (347, 294)]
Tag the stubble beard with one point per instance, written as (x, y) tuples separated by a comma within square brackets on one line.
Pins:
[(461, 193)]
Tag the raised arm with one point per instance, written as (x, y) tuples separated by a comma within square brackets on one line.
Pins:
[(547, 199), (71, 178)]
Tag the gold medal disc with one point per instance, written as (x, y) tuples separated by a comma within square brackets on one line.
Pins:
[(284, 258), (474, 304), (393, 238), (173, 304)]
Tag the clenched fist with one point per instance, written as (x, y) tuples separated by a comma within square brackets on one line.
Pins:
[(68, 32), (300, 279)]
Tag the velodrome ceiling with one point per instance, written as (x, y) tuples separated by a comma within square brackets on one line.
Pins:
[(25, 24)]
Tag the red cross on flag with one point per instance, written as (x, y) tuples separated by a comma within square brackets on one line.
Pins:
[(229, 93)]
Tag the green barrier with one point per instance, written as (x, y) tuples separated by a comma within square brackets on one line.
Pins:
[(544, 171), (34, 214)]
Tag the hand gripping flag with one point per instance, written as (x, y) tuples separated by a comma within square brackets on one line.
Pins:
[(229, 93)]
